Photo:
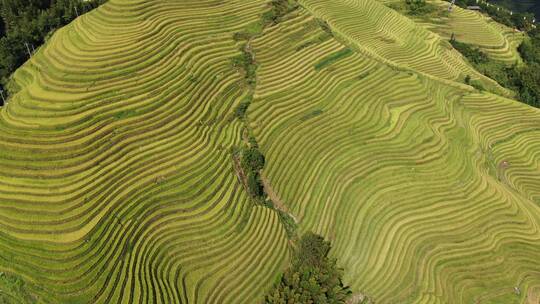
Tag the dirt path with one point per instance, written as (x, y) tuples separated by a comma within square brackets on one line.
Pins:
[(356, 299), (240, 173), (278, 203), (501, 168)]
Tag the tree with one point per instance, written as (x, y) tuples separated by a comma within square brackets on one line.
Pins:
[(252, 159), (313, 277), (255, 184)]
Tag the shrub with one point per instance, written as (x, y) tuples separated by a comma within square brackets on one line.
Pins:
[(255, 184), (474, 55), (325, 27), (477, 85), (246, 62), (241, 109), (253, 142), (252, 159), (419, 7), (288, 223), (328, 60), (278, 9), (239, 36)]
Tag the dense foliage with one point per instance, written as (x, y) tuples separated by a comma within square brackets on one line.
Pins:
[(532, 6), (25, 24), (312, 277), (419, 7), (241, 109), (252, 162), (520, 20), (252, 159), (246, 62), (523, 79), (527, 78)]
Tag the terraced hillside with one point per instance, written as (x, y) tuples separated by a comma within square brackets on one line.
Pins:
[(429, 191), (495, 39), (118, 184)]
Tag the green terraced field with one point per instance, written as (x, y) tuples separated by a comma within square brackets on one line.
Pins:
[(118, 183)]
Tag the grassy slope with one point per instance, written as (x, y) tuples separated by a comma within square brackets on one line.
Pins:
[(403, 171), (117, 182), (382, 33)]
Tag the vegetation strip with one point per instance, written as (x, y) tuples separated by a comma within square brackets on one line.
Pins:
[(248, 160), (332, 58)]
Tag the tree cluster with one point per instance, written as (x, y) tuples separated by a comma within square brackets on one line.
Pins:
[(252, 162), (278, 9), (418, 7), (312, 278), (25, 25), (526, 79), (520, 20), (520, 6)]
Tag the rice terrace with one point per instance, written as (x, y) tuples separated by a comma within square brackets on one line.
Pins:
[(269, 151)]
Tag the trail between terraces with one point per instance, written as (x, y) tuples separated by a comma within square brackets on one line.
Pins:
[(278, 203)]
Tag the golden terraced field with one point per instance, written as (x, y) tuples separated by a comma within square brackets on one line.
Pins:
[(118, 186)]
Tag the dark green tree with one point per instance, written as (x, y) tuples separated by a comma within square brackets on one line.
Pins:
[(313, 277), (255, 184), (252, 159)]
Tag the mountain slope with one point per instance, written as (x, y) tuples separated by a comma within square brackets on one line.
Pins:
[(118, 184), (406, 175), (495, 39)]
